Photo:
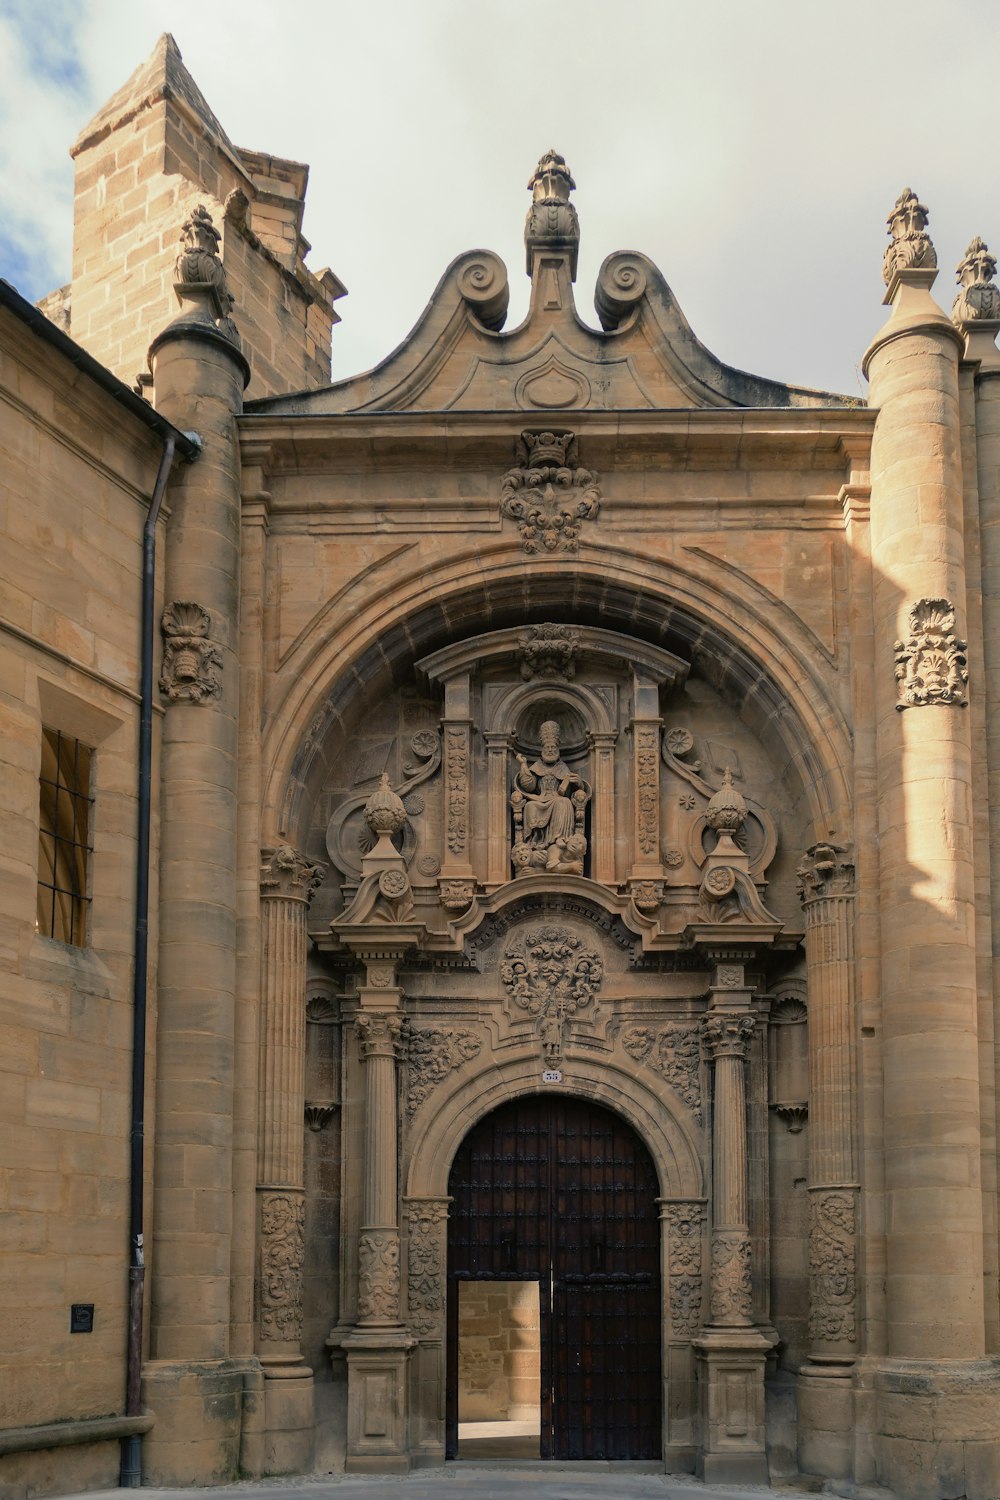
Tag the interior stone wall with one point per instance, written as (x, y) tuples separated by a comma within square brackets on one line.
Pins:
[(499, 1364)]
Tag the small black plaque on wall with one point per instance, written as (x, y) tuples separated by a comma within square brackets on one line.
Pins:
[(81, 1317)]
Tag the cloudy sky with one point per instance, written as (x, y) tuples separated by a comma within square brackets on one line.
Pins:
[(751, 148)]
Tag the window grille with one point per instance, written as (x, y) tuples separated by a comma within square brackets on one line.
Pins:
[(64, 838)]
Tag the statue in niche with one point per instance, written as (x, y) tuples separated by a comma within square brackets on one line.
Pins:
[(548, 803)]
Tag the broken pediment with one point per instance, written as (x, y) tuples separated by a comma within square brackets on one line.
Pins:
[(458, 358)]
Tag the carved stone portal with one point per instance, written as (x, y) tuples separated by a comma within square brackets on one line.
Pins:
[(548, 494), (552, 976)]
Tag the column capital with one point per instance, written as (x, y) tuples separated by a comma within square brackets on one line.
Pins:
[(381, 1034), (728, 1034), (286, 873), (825, 869)]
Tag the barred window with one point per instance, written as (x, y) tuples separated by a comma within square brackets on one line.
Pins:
[(64, 838)]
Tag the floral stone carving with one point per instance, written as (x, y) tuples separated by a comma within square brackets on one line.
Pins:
[(191, 663), (673, 1051), (732, 1281), (424, 1278), (282, 1253), (285, 872), (456, 775), (979, 299), (825, 870), (433, 1053), (832, 1267), (548, 494), (647, 767), (552, 976), (378, 1276), (549, 651), (685, 1224), (910, 247), (931, 664)]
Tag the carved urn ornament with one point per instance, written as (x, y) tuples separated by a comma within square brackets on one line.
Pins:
[(726, 811), (384, 814), (191, 663)]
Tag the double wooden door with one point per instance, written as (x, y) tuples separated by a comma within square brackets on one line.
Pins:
[(563, 1192)]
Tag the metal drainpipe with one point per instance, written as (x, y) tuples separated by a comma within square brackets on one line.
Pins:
[(131, 1463)]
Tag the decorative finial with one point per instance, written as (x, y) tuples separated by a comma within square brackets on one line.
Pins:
[(384, 810), (552, 222), (726, 811), (910, 248), (200, 274), (980, 297)]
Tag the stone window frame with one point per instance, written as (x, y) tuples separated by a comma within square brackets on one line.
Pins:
[(65, 837)]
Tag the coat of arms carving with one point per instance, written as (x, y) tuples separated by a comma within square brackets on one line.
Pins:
[(549, 495), (554, 977)]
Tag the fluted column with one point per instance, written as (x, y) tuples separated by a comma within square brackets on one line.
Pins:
[(379, 1041), (826, 889), (727, 1035), (287, 883)]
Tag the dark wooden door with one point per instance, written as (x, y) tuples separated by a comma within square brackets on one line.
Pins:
[(562, 1191)]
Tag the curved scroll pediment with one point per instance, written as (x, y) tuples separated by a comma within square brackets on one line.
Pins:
[(459, 358)]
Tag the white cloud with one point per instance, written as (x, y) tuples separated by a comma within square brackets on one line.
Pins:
[(752, 151)]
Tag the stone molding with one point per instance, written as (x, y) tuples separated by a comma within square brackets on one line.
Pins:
[(192, 663), (931, 664)]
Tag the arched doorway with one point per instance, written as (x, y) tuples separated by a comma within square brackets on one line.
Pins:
[(562, 1192)]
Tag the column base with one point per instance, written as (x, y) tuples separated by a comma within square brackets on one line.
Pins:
[(377, 1406), (937, 1428), (731, 1399), (289, 1420), (199, 1406), (825, 1429)]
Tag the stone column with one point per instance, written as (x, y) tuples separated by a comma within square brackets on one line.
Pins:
[(498, 750), (192, 1381), (602, 826), (976, 311), (379, 1347), (826, 1399), (731, 1350), (457, 875), (287, 883), (933, 1210)]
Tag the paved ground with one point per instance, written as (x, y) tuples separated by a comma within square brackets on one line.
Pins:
[(468, 1481)]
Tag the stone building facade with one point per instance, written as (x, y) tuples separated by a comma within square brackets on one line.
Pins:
[(557, 738)]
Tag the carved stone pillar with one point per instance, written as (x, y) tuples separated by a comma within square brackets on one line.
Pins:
[(456, 731), (684, 1282), (826, 1404), (426, 1292), (287, 884), (731, 1350), (498, 748), (602, 827), (378, 1349)]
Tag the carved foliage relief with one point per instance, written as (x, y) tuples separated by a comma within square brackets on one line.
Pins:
[(647, 762), (424, 1270), (378, 1276), (673, 1051), (432, 1054), (456, 759), (832, 1267), (685, 1224), (931, 664), (282, 1253), (732, 1282), (552, 976)]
